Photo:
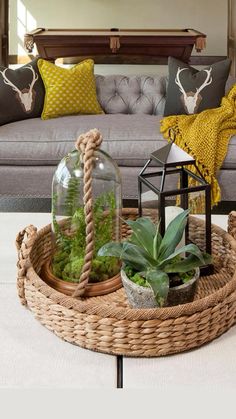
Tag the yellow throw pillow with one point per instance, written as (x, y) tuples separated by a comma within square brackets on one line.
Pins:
[(69, 91)]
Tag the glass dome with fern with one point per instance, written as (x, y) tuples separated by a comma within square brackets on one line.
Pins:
[(86, 209)]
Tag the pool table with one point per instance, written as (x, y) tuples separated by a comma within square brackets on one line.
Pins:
[(134, 46)]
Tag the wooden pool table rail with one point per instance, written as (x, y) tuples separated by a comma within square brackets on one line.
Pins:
[(132, 46)]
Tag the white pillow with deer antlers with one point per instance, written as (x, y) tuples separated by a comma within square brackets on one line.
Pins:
[(21, 93), (191, 91)]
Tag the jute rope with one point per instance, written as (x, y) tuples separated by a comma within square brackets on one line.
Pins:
[(24, 243), (87, 144), (232, 224)]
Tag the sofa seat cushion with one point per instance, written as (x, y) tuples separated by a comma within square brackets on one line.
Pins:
[(129, 139)]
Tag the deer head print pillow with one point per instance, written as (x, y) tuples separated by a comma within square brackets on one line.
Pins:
[(21, 93), (191, 91)]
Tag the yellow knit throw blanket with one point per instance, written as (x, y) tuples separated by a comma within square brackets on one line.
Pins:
[(205, 136)]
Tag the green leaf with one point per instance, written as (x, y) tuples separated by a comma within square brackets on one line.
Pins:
[(135, 256), (111, 249), (189, 248), (156, 244), (129, 253), (159, 282), (143, 233), (189, 263), (173, 235)]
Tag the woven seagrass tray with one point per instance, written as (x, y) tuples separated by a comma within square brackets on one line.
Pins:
[(107, 323)]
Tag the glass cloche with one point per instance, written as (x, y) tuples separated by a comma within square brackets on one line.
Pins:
[(86, 210)]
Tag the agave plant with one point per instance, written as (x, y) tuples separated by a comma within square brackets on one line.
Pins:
[(154, 256)]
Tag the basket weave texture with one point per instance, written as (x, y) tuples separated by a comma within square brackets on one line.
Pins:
[(108, 324)]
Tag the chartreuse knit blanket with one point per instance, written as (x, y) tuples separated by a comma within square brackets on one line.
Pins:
[(205, 136)]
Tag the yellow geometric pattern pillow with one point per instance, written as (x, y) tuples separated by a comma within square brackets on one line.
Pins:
[(69, 91)]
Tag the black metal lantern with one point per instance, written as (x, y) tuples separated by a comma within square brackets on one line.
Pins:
[(168, 161)]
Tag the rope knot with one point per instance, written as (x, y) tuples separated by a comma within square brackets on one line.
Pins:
[(91, 140)]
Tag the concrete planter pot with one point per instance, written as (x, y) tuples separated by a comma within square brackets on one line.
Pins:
[(143, 297)]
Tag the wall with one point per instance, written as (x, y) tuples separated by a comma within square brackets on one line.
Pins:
[(208, 16)]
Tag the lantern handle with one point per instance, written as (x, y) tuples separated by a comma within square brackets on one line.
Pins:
[(87, 144)]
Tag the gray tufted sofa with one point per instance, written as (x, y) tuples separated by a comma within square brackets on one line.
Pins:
[(30, 149)]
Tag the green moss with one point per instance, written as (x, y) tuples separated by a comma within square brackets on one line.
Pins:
[(69, 269), (186, 276), (135, 277), (68, 260), (140, 280)]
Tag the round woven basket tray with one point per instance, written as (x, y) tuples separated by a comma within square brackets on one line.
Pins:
[(107, 323)]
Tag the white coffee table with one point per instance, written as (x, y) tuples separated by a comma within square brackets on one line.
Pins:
[(33, 357), (30, 355)]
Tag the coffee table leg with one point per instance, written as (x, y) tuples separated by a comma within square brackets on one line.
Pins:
[(119, 371)]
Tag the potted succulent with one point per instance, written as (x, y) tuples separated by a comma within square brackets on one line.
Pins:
[(155, 273)]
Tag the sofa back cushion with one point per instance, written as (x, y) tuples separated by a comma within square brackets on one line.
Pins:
[(69, 91), (21, 93), (131, 94), (191, 91)]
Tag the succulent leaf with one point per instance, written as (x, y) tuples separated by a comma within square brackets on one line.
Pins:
[(129, 253), (111, 249), (159, 282), (136, 256), (187, 264), (143, 233), (189, 248), (156, 243), (173, 235)]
